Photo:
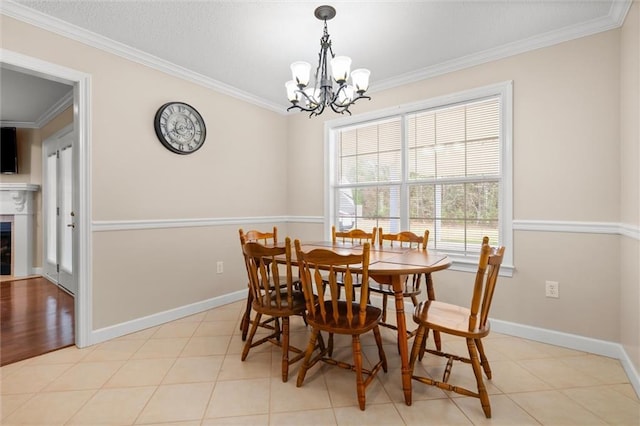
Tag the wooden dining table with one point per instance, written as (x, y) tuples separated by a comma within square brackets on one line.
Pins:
[(391, 265)]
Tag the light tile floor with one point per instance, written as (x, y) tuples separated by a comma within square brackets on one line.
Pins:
[(188, 372)]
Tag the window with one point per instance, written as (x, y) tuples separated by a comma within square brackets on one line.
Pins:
[(442, 164)]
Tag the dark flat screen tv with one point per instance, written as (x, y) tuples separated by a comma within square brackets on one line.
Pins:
[(8, 151)]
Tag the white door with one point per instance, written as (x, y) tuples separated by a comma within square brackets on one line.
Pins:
[(58, 215)]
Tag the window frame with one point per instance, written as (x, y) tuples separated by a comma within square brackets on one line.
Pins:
[(504, 92)]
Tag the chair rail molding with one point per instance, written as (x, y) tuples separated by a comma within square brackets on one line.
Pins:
[(127, 225), (613, 228)]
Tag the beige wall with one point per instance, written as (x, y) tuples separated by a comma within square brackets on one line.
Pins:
[(565, 167), (630, 182), (136, 273)]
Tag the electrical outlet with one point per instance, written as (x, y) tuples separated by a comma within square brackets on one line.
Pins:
[(552, 289), (220, 267)]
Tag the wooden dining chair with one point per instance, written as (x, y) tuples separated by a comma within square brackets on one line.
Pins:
[(356, 236), (470, 323), (412, 283), (327, 312), (353, 236), (264, 238), (271, 299)]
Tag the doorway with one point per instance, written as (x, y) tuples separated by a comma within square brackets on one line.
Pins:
[(57, 209), (81, 178)]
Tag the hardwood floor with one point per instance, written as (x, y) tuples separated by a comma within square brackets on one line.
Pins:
[(36, 317)]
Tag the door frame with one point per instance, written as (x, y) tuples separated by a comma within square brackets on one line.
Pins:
[(82, 238)]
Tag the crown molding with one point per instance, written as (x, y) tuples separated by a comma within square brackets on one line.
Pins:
[(614, 19), (63, 103), (66, 29), (619, 10)]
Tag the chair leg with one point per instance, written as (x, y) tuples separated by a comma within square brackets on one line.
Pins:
[(483, 359), (307, 357), (423, 347), (357, 364), (431, 295), (330, 345), (381, 355), (384, 308), (436, 340), (276, 321), (482, 390), (285, 349), (246, 319), (417, 348), (254, 327)]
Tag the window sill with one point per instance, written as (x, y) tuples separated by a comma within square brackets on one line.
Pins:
[(463, 264)]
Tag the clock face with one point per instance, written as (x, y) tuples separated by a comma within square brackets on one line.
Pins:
[(180, 127)]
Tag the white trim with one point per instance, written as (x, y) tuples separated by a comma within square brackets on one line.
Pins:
[(305, 219), (126, 225), (73, 32), (32, 187), (571, 341), (111, 332), (19, 124), (82, 195), (631, 231), (628, 230), (63, 103), (82, 180), (619, 10)]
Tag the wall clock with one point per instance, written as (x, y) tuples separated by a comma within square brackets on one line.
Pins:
[(180, 127)]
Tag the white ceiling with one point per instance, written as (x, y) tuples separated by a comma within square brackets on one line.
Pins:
[(26, 99), (245, 47)]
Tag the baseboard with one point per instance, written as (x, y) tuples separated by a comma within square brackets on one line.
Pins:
[(118, 330), (552, 337), (572, 341)]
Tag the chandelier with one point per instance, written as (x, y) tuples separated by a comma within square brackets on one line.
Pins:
[(322, 93)]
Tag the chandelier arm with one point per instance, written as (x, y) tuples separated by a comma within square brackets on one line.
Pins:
[(340, 109)]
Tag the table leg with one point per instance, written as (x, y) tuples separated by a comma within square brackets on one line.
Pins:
[(396, 281)]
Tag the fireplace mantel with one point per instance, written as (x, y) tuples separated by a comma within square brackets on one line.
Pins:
[(16, 206)]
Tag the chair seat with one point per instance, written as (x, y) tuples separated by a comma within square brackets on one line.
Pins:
[(343, 326), (408, 290), (270, 307), (451, 319)]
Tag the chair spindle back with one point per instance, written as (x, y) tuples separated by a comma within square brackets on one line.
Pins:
[(335, 268), (485, 283), (403, 239), (264, 280), (354, 236), (259, 236)]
